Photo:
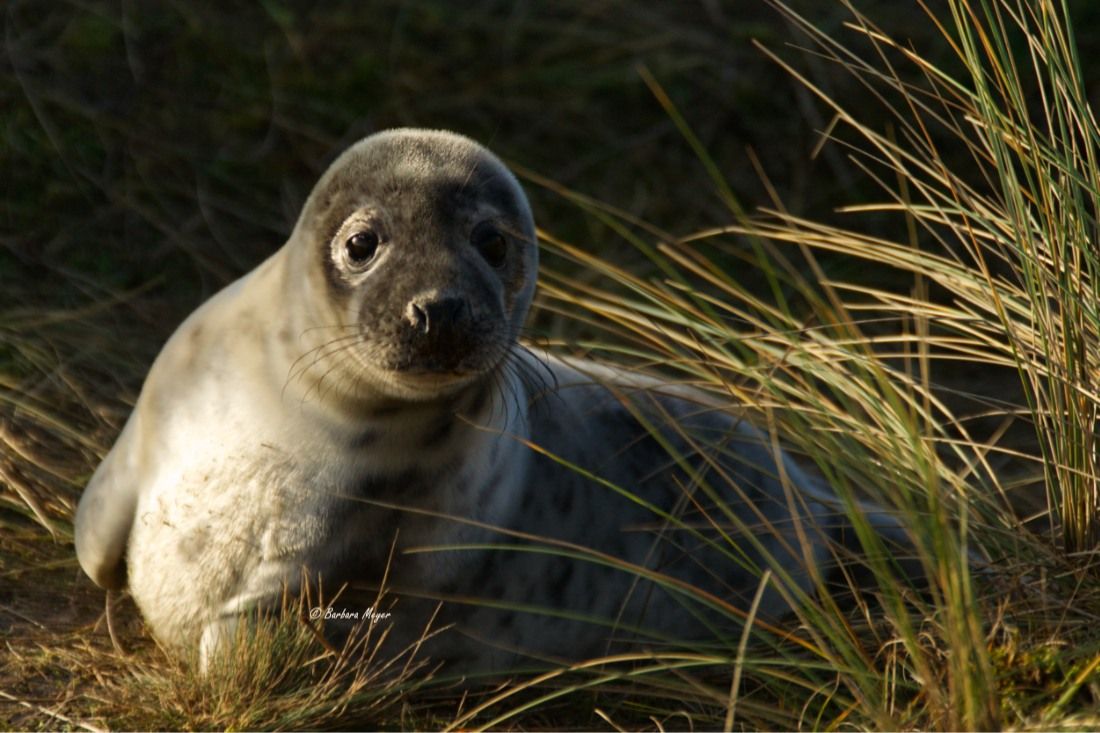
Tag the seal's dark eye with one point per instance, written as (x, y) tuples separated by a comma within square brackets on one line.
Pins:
[(491, 244), (361, 247)]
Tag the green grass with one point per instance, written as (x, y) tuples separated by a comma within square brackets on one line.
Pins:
[(899, 282)]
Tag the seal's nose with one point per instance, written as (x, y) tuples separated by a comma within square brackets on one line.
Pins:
[(434, 314)]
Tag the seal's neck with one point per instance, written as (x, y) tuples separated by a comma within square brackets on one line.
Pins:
[(396, 436)]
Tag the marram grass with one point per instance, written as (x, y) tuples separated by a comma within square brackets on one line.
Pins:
[(1010, 206)]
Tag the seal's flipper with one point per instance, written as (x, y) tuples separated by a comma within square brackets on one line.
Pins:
[(104, 518)]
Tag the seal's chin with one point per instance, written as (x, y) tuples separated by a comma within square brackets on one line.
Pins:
[(432, 383), (424, 385)]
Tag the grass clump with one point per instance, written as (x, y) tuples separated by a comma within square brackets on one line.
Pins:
[(1008, 207), (990, 163), (279, 674)]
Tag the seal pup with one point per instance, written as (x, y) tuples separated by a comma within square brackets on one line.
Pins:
[(364, 386)]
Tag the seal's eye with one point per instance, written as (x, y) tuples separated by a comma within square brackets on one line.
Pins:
[(361, 247), (491, 244)]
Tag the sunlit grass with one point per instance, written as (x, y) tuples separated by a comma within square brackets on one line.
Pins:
[(1013, 231), (281, 675)]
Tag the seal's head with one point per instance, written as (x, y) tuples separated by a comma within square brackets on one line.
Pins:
[(423, 244)]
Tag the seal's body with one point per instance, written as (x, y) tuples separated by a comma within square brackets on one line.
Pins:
[(360, 399)]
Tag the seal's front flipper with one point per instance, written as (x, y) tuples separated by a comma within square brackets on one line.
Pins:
[(216, 640), (105, 515)]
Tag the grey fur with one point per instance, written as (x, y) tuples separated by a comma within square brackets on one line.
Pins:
[(318, 408)]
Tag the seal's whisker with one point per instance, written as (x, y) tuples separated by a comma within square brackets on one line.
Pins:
[(323, 352), (535, 374), (346, 353), (519, 389), (332, 327), (320, 354), (509, 390)]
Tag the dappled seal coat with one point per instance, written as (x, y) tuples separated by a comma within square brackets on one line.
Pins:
[(361, 396)]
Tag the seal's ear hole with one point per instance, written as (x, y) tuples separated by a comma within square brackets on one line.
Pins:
[(491, 244), (361, 247)]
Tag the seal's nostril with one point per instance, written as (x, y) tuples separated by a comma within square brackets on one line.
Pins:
[(418, 317), (436, 314)]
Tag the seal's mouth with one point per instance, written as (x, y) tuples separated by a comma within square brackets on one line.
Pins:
[(416, 366), (463, 357)]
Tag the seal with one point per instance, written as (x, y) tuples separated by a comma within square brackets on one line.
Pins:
[(359, 406)]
